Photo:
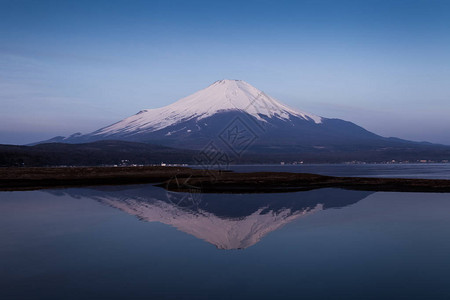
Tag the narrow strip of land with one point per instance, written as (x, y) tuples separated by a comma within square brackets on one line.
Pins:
[(184, 179), (40, 178)]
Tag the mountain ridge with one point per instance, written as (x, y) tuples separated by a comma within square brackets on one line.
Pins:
[(234, 117), (220, 97)]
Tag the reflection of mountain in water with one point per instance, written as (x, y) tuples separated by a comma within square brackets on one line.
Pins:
[(228, 221)]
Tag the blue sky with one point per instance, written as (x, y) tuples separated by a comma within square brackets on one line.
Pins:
[(68, 66)]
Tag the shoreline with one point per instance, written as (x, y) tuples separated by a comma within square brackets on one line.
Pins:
[(185, 179)]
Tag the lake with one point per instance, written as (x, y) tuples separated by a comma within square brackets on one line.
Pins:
[(424, 170), (142, 242)]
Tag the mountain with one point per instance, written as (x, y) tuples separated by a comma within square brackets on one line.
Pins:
[(234, 117), (225, 221), (200, 117)]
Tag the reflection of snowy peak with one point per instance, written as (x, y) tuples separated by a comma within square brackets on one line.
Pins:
[(233, 221), (221, 96), (224, 233)]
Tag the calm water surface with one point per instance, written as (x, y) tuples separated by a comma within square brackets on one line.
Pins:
[(141, 242), (435, 171)]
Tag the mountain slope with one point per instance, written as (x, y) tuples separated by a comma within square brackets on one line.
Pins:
[(221, 96), (199, 115), (233, 116)]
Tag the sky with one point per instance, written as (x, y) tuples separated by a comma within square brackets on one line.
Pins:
[(76, 66)]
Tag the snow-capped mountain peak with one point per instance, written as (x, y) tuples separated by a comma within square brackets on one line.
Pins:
[(221, 96)]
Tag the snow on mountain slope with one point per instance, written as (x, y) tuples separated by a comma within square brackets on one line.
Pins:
[(221, 96)]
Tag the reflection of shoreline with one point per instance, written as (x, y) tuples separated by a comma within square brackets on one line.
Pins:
[(226, 221)]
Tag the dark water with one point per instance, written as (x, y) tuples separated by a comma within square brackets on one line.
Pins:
[(428, 171), (141, 242)]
